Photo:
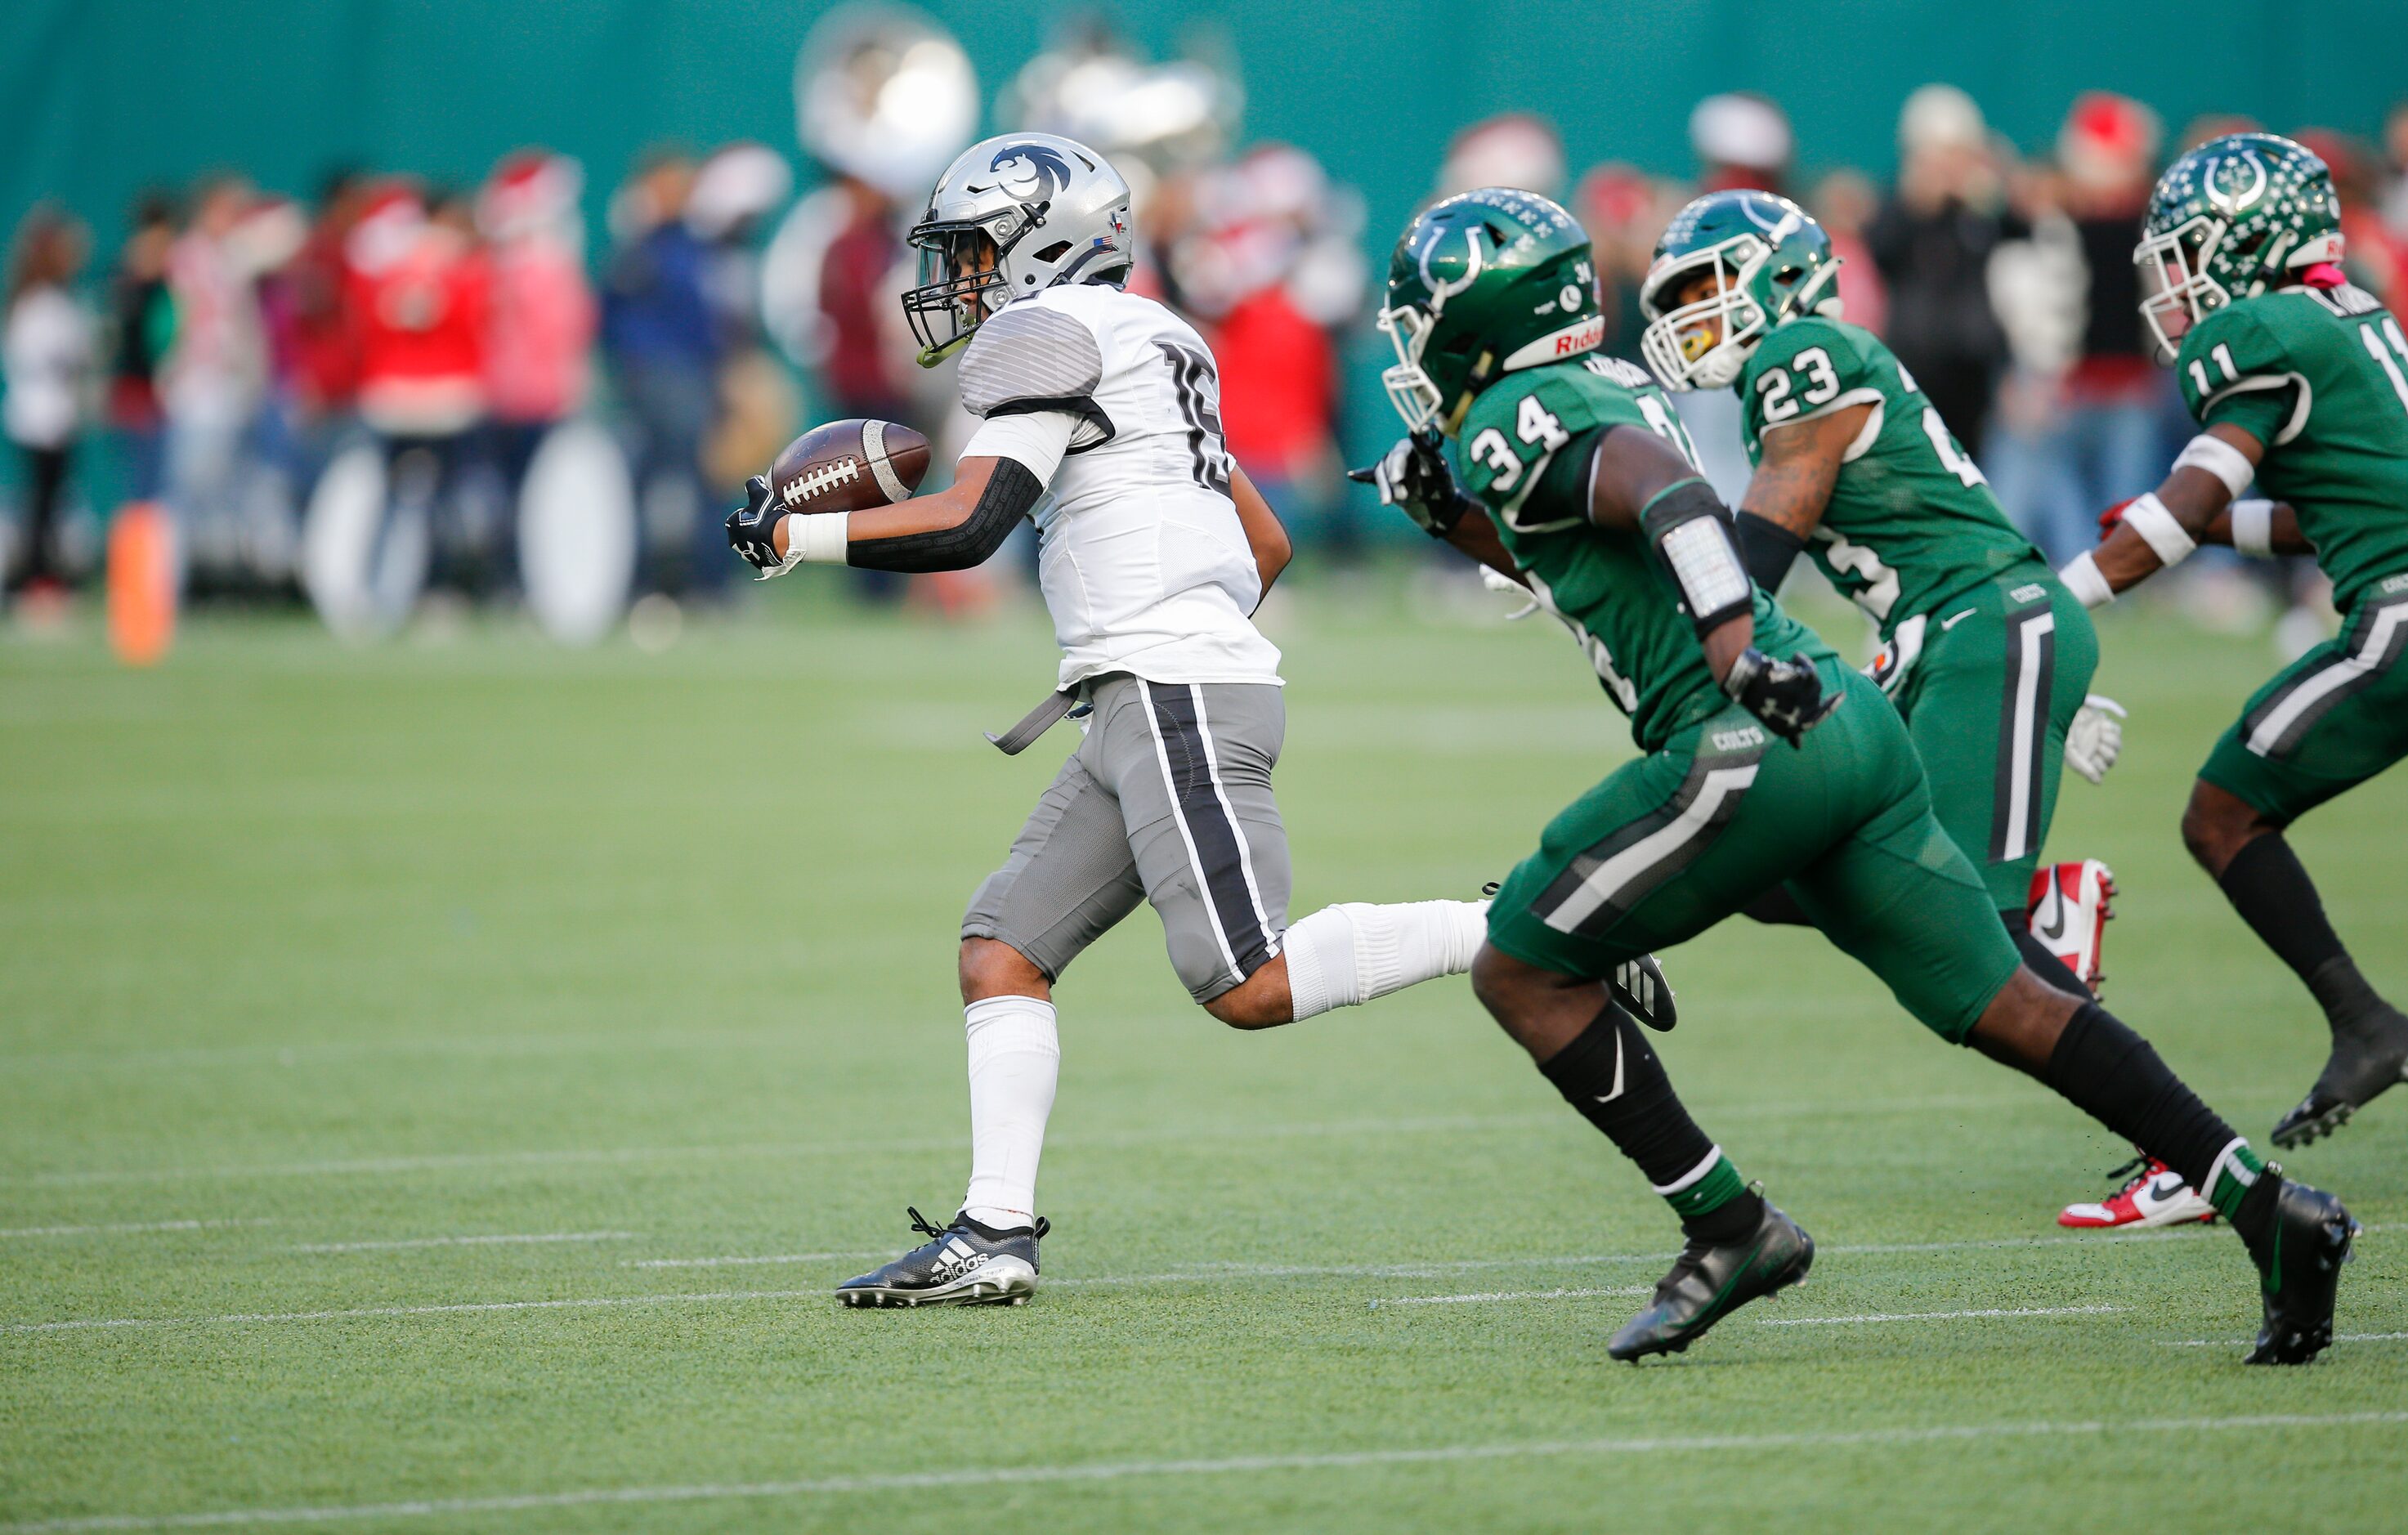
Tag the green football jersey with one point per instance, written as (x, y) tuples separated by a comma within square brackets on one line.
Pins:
[(1526, 442), (1911, 522), (2320, 376)]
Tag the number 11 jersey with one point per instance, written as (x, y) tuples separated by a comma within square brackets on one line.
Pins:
[(1114, 403)]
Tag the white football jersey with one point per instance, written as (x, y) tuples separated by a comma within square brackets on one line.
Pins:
[(1114, 403)]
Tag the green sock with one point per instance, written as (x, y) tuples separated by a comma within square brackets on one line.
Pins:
[(2235, 1173), (1720, 1185)]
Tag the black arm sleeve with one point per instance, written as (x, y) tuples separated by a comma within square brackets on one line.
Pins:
[(1010, 491), (1767, 550)]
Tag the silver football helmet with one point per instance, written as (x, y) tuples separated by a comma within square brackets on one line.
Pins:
[(1013, 215)]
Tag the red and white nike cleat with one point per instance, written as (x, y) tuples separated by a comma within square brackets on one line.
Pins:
[(2156, 1196), (2069, 915)]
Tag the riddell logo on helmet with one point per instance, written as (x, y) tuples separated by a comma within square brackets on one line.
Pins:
[(1582, 336)]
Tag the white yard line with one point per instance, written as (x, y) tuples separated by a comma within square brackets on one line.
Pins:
[(506, 1241), (720, 1297), (1207, 1273), (127, 1229), (1508, 1295), (1936, 1316), (741, 1262), (1199, 1275), (1072, 1140), (1122, 1471)]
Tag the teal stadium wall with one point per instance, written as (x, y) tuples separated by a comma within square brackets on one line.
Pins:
[(100, 97)]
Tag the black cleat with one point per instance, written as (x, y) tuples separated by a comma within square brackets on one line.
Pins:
[(965, 1264), (2300, 1271), (1709, 1282), (2366, 1060), (1640, 987)]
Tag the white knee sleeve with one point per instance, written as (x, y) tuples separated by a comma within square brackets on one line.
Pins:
[(1352, 953)]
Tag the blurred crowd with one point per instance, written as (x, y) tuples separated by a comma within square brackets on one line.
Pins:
[(241, 342)]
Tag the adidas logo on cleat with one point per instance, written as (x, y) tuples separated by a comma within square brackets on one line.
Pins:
[(958, 1260)]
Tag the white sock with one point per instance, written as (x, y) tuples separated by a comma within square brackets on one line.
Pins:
[(1015, 1057), (1350, 952)]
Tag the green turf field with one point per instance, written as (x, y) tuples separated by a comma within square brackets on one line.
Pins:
[(438, 1083)]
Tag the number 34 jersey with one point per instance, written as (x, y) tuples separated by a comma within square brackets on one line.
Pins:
[(2320, 377), (1114, 403), (1911, 522), (1528, 442)]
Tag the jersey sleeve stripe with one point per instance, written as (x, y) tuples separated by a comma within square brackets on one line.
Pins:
[(2291, 428)]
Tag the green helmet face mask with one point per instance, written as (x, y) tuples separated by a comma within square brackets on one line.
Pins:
[(2228, 221), (1480, 285), (1771, 264)]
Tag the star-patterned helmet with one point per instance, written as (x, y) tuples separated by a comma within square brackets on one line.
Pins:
[(2235, 217), (1483, 285)]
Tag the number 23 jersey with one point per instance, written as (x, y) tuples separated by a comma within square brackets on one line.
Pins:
[(1911, 520), (1115, 404)]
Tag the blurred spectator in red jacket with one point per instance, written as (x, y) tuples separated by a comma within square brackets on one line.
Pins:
[(326, 347), (419, 292), (541, 312), (1271, 269)]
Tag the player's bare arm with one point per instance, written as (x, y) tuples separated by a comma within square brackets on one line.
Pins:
[(1265, 534), (2159, 528), (1784, 501)]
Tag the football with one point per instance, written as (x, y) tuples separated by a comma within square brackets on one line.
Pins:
[(846, 465)]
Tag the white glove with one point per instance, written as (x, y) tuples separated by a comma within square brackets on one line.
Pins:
[(2096, 737)]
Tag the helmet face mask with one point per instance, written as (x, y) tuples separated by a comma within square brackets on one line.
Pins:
[(2176, 290), (1013, 216), (1703, 344), (1411, 389), (2228, 221), (1771, 264)]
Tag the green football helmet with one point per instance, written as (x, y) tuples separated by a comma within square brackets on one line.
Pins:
[(2230, 219), (1482, 284), (1774, 263)]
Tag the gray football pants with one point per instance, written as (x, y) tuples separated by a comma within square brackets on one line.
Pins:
[(1168, 800)]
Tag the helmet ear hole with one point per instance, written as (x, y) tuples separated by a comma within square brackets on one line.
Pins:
[(1055, 251)]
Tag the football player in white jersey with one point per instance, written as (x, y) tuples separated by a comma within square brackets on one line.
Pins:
[(1100, 414)]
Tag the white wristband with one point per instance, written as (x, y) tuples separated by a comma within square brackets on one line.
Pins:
[(2253, 528), (2220, 458), (2082, 578), (2148, 517), (817, 537)]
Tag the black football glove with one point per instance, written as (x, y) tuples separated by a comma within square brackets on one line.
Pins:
[(752, 527), (1785, 694), (1415, 478)]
